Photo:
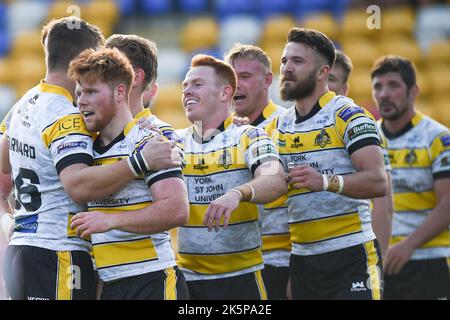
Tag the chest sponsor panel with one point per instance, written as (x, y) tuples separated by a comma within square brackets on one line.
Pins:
[(314, 140), (230, 158), (409, 158)]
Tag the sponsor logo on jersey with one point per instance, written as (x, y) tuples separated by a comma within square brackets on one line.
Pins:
[(445, 140), (297, 143), (348, 112), (361, 129), (358, 286), (26, 225), (411, 157), (34, 99), (71, 145), (322, 139), (255, 133), (282, 143), (264, 149), (201, 165), (225, 159)]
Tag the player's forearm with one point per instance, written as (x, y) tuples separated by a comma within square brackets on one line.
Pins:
[(367, 184), (382, 213), (90, 183), (160, 216), (269, 183), (436, 223)]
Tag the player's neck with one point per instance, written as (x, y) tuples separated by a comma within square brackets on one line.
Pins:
[(117, 124), (305, 105), (59, 78), (252, 116), (394, 126), (135, 102), (206, 127)]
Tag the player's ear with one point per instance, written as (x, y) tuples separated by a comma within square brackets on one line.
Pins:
[(120, 92)]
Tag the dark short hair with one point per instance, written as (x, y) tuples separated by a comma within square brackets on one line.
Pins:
[(343, 61), (316, 40), (392, 63), (65, 38), (223, 69), (248, 51), (141, 52)]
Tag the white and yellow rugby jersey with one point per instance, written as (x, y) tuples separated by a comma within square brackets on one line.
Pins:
[(119, 254), (276, 244), (323, 221), (213, 167), (419, 154), (46, 134), (165, 128)]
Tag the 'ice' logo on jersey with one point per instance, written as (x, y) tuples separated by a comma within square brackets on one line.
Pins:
[(297, 143), (322, 139), (411, 157)]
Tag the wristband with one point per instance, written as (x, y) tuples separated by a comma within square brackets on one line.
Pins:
[(137, 164), (341, 184), (253, 191), (238, 192), (325, 182)]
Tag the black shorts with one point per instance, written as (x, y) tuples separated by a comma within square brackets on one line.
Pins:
[(249, 286), (33, 273), (275, 280), (420, 279), (167, 284), (353, 273)]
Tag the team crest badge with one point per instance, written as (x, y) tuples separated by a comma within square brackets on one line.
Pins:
[(411, 157), (225, 159), (200, 165), (322, 139)]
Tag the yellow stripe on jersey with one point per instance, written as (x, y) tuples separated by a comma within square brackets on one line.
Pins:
[(261, 287), (70, 124), (126, 252), (409, 158), (342, 122), (276, 242), (170, 284), (223, 160), (414, 201), (442, 240), (373, 270), (108, 160), (280, 202), (64, 277), (325, 228), (129, 207), (321, 139), (244, 213), (221, 263), (293, 191), (437, 146), (51, 88)]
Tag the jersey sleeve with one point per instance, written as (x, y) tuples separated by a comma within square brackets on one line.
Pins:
[(440, 156), (68, 141), (153, 176), (357, 128), (258, 148), (387, 163)]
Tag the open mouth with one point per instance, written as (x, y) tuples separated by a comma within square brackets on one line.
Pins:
[(239, 97), (87, 114)]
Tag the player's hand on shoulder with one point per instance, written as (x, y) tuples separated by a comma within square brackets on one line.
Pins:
[(161, 153)]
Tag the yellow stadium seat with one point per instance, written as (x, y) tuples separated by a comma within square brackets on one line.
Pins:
[(401, 46), (28, 43), (439, 52), (355, 24), (360, 83), (397, 20), (199, 33), (102, 13), (274, 52), (64, 8), (423, 83), (276, 28), (28, 71), (6, 71), (324, 23), (439, 79), (361, 51)]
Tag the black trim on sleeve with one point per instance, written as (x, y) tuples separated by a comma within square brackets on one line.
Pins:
[(166, 175), (363, 143), (261, 161), (441, 175), (74, 159)]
